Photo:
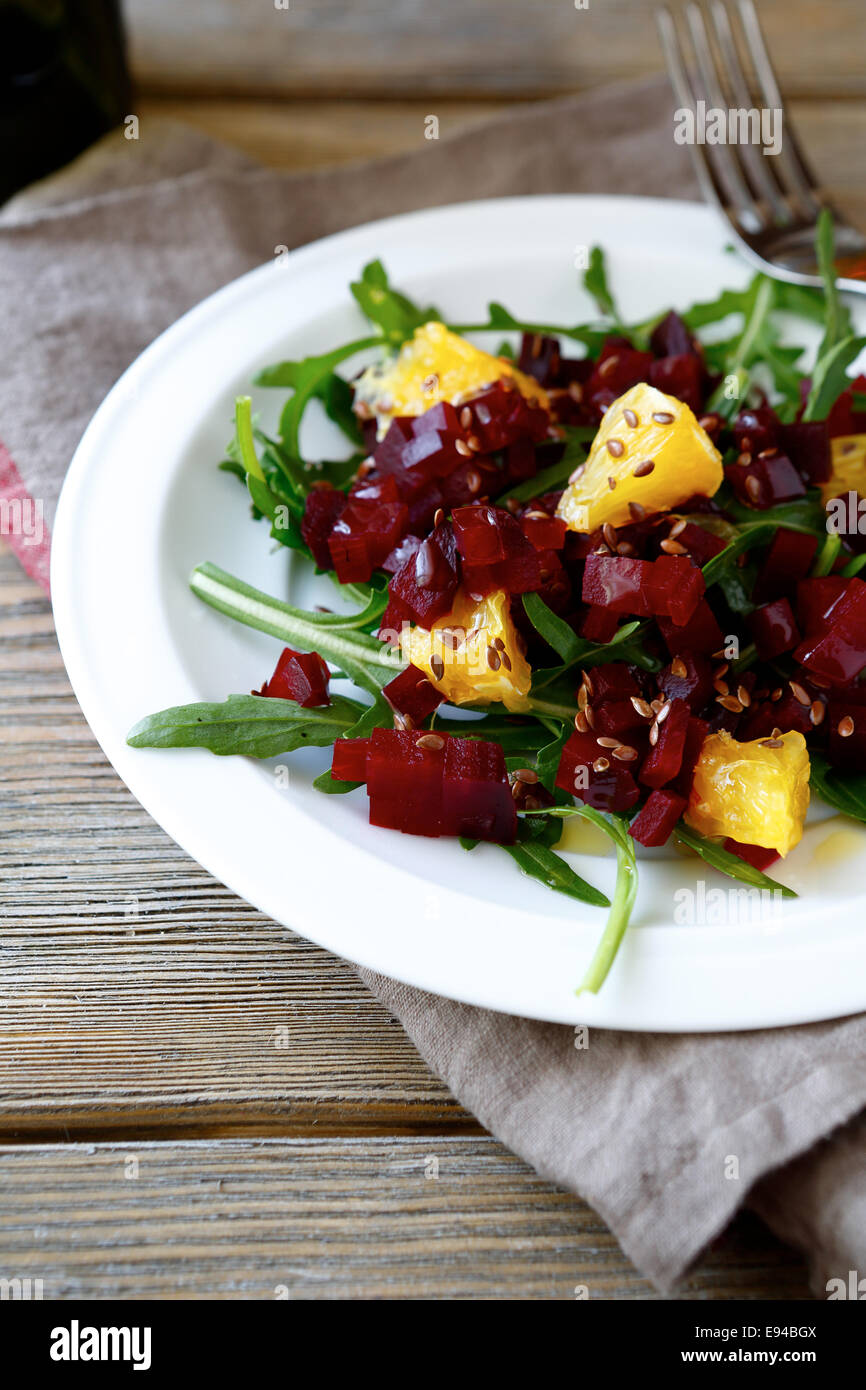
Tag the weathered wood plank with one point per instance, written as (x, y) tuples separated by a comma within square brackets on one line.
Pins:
[(138, 993), (358, 1219), (488, 48)]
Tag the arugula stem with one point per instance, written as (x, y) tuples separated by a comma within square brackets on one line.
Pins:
[(245, 438), (364, 659), (622, 903)]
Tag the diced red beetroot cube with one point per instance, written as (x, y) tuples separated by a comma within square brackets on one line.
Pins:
[(664, 761), (364, 534), (412, 696), (349, 762), (787, 713), (441, 417), (789, 558), (840, 654), (598, 624), (689, 677), (545, 532), (520, 461), (807, 444), (476, 797), (756, 429), (618, 583), (847, 742), (406, 548), (696, 732), (680, 376), (817, 599), (540, 357), (480, 533), (701, 544), (472, 478), (774, 629), (675, 589), (404, 782), (502, 416), (607, 789), (652, 826), (843, 418), (299, 676), (423, 590), (388, 453), (616, 717), (700, 634), (756, 855), (321, 509), (618, 368), (671, 337), (375, 487), (430, 455), (765, 481), (612, 681)]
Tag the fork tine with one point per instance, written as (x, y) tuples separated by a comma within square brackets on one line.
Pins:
[(674, 58), (727, 155), (791, 157), (759, 173)]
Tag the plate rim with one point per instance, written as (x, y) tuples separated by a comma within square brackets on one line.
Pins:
[(670, 941)]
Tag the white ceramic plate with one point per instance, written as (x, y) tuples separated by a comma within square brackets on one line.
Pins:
[(144, 502)]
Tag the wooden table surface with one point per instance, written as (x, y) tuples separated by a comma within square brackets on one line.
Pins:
[(194, 1102)]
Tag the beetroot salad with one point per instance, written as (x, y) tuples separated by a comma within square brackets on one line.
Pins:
[(608, 571)]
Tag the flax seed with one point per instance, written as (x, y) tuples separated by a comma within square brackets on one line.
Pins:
[(799, 693), (777, 693), (624, 548), (601, 765), (845, 727), (721, 687), (654, 735), (438, 517), (473, 480), (638, 513), (582, 697), (631, 419), (465, 418), (615, 448), (474, 443), (816, 712), (677, 529), (663, 712), (743, 696), (644, 468), (581, 723), (753, 488), (506, 661), (625, 753), (663, 417), (606, 367), (494, 661), (463, 448), (744, 460), (768, 453), (575, 390), (590, 716), (578, 473), (673, 548), (729, 703), (641, 707), (437, 666), (772, 743), (526, 774), (609, 535), (432, 741), (611, 482), (605, 742), (678, 667)]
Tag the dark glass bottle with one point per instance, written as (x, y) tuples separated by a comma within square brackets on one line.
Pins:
[(63, 83)]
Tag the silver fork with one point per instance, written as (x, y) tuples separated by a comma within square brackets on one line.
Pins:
[(771, 202)]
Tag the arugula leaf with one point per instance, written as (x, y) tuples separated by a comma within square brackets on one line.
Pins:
[(756, 307), (728, 863), (254, 725), (365, 660), (830, 377), (540, 862), (841, 789), (308, 377), (595, 283), (500, 320), (394, 312)]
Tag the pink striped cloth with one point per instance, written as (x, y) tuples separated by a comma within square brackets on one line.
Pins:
[(94, 263)]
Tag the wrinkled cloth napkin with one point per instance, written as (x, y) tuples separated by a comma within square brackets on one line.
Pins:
[(98, 260)]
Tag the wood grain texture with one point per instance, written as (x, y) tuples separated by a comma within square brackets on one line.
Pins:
[(306, 135), (341, 1218), (484, 48)]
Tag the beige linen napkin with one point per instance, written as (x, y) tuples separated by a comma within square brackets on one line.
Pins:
[(98, 260)]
